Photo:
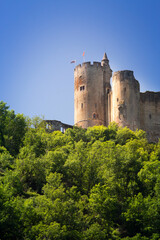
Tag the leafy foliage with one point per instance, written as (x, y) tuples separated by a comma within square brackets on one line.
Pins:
[(99, 183), (12, 129)]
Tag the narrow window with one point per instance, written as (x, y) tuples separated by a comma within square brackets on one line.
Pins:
[(150, 116), (95, 105), (117, 99), (81, 105), (107, 90), (82, 88)]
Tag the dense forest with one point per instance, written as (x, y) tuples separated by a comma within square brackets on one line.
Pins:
[(91, 184)]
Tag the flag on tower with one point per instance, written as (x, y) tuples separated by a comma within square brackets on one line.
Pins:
[(83, 54)]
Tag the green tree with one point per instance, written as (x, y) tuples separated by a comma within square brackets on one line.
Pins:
[(12, 129), (3, 116)]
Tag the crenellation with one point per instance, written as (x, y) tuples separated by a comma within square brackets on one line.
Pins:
[(150, 96), (86, 64), (97, 64), (97, 103)]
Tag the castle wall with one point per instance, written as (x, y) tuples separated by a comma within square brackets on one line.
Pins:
[(95, 103), (89, 95), (150, 114), (125, 100)]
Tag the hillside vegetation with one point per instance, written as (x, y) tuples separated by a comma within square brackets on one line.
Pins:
[(94, 184)]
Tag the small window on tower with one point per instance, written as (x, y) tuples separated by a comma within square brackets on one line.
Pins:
[(82, 88), (81, 105), (150, 116), (108, 91)]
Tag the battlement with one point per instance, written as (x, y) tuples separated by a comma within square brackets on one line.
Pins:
[(97, 64), (150, 96), (88, 64)]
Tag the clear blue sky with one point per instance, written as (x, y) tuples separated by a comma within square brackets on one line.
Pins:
[(39, 38)]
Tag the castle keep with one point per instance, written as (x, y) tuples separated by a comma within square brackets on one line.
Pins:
[(97, 103)]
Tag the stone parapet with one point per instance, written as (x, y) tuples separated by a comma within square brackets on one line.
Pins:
[(88, 64), (150, 96)]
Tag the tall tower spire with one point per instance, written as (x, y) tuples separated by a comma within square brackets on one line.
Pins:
[(105, 56), (107, 74), (105, 60)]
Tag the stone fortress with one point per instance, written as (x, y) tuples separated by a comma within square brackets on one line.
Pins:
[(97, 103)]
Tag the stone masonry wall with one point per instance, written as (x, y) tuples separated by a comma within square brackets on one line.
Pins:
[(150, 114)]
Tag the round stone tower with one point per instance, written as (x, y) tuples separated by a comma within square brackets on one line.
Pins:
[(91, 88), (125, 99)]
